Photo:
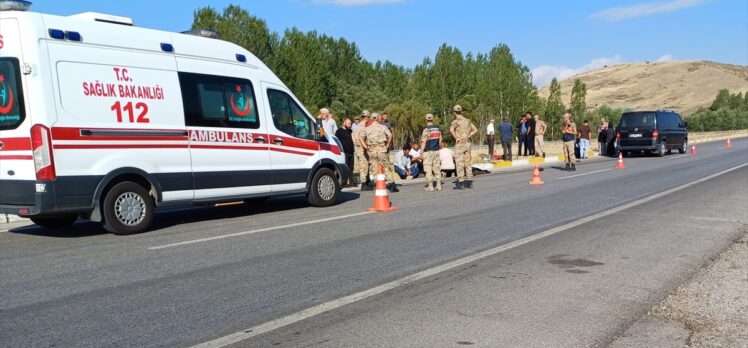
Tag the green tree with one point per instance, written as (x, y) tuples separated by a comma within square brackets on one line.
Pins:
[(722, 100), (554, 109), (578, 102)]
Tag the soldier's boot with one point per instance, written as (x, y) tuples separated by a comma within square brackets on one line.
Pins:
[(438, 185), (573, 167), (429, 187), (567, 168), (469, 184), (459, 186), (366, 186), (393, 188)]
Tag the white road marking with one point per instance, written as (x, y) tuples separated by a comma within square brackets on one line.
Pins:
[(346, 300), (237, 234), (583, 174), (679, 156)]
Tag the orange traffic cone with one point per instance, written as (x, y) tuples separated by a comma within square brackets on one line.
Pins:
[(693, 149), (381, 196), (619, 164), (536, 177), (728, 144)]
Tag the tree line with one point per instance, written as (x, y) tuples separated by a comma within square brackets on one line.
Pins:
[(323, 71), (728, 111)]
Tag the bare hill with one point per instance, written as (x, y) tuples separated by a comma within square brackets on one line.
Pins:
[(681, 86)]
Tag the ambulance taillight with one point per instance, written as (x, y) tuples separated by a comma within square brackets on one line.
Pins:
[(44, 162)]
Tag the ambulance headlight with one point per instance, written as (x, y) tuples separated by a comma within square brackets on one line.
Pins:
[(14, 5)]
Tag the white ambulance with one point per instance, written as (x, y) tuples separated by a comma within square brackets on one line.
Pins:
[(103, 120)]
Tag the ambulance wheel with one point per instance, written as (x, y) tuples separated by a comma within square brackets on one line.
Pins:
[(56, 222), (128, 209), (325, 188)]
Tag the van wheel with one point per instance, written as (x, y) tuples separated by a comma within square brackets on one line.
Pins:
[(661, 151), (683, 148), (325, 188), (128, 209), (56, 222)]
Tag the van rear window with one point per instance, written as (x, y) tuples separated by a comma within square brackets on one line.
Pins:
[(11, 96), (638, 119)]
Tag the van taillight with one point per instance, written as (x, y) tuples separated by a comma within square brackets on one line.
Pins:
[(655, 134), (44, 161)]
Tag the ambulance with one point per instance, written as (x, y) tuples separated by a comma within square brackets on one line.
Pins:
[(103, 120)]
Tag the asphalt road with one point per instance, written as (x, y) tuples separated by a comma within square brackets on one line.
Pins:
[(205, 273)]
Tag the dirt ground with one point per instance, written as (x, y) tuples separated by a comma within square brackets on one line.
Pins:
[(711, 310)]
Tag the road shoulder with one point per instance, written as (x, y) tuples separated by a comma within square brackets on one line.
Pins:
[(710, 310)]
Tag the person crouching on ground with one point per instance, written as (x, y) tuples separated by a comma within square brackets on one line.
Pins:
[(404, 167)]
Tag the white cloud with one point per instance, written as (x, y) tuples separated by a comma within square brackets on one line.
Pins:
[(665, 58), (355, 2), (616, 14), (543, 74)]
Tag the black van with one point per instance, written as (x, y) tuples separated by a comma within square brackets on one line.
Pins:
[(653, 132)]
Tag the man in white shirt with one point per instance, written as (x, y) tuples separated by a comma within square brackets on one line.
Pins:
[(446, 157), (403, 166), (328, 123), (490, 130), (416, 158)]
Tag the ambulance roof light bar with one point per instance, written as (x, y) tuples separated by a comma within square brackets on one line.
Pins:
[(104, 18), (202, 32), (14, 5)]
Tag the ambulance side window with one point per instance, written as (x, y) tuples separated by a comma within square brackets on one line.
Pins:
[(217, 101), (12, 112), (288, 116)]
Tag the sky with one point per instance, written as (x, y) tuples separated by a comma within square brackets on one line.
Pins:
[(553, 38)]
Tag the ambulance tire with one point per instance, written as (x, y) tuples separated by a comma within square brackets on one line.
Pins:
[(128, 209), (56, 222), (325, 188)]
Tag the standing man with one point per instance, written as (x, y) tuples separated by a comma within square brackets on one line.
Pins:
[(530, 146), (462, 130), (376, 139), (584, 139), (490, 130), (602, 136), (386, 121), (522, 135), (328, 123), (540, 128), (569, 136), (506, 131), (611, 138), (431, 138), (345, 135), (361, 156)]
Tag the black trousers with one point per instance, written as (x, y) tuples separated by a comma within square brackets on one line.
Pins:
[(507, 146), (522, 142), (491, 142), (530, 145), (349, 162)]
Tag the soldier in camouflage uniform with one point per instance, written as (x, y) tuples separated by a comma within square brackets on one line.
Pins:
[(376, 140), (462, 129), (361, 156), (431, 137)]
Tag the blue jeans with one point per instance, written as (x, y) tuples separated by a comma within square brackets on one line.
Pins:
[(584, 147), (403, 174)]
